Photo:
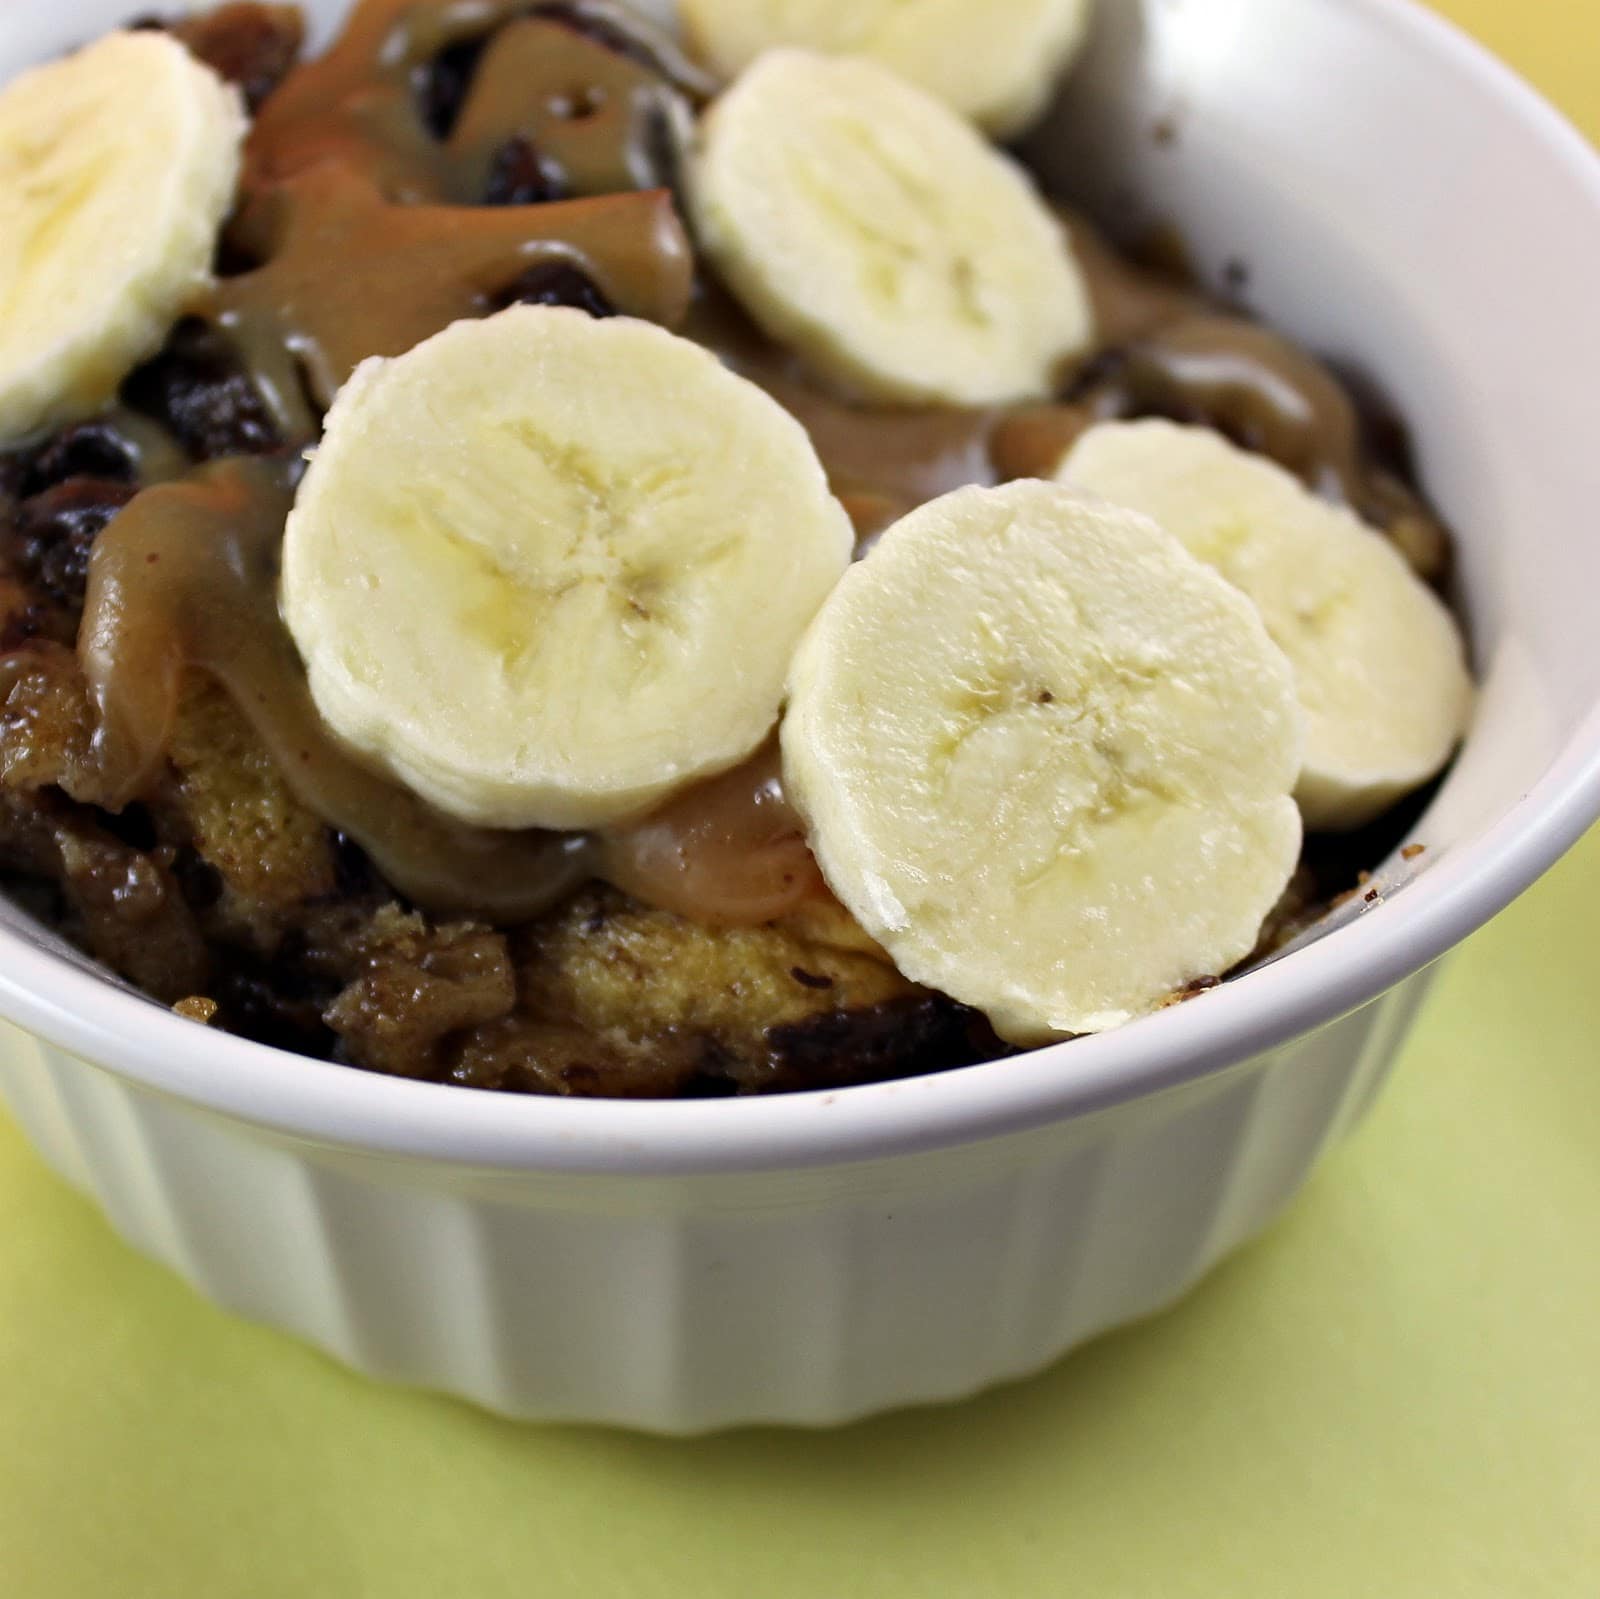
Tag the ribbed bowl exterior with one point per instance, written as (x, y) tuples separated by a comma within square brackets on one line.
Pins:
[(687, 1304), (749, 1286)]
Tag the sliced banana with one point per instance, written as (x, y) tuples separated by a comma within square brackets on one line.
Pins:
[(995, 63), (1378, 660), (117, 167), (1045, 758), (867, 226), (546, 569)]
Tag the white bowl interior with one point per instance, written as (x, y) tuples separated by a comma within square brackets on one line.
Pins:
[(1402, 203), (1384, 220)]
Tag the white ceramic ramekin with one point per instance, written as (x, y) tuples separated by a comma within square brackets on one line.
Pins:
[(1401, 201)]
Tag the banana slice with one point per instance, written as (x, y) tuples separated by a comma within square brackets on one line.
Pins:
[(994, 63), (546, 569), (1045, 758), (117, 167), (1379, 661), (867, 226)]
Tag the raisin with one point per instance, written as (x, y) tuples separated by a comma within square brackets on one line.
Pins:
[(88, 449), (232, 259), (892, 1039), (54, 532), (445, 82), (555, 283), (252, 45), (521, 176), (199, 388), (272, 1004)]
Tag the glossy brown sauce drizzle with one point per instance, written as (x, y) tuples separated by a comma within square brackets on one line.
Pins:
[(349, 275), (547, 77), (362, 209), (186, 577), (728, 850)]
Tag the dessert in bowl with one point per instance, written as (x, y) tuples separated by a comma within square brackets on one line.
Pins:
[(998, 1187), (452, 754)]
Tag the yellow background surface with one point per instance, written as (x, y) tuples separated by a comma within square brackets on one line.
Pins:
[(1397, 1392)]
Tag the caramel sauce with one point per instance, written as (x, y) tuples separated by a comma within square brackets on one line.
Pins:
[(361, 206)]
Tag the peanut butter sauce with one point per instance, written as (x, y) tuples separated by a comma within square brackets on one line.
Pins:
[(728, 850), (601, 122), (364, 104), (187, 577), (349, 275), (365, 178)]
